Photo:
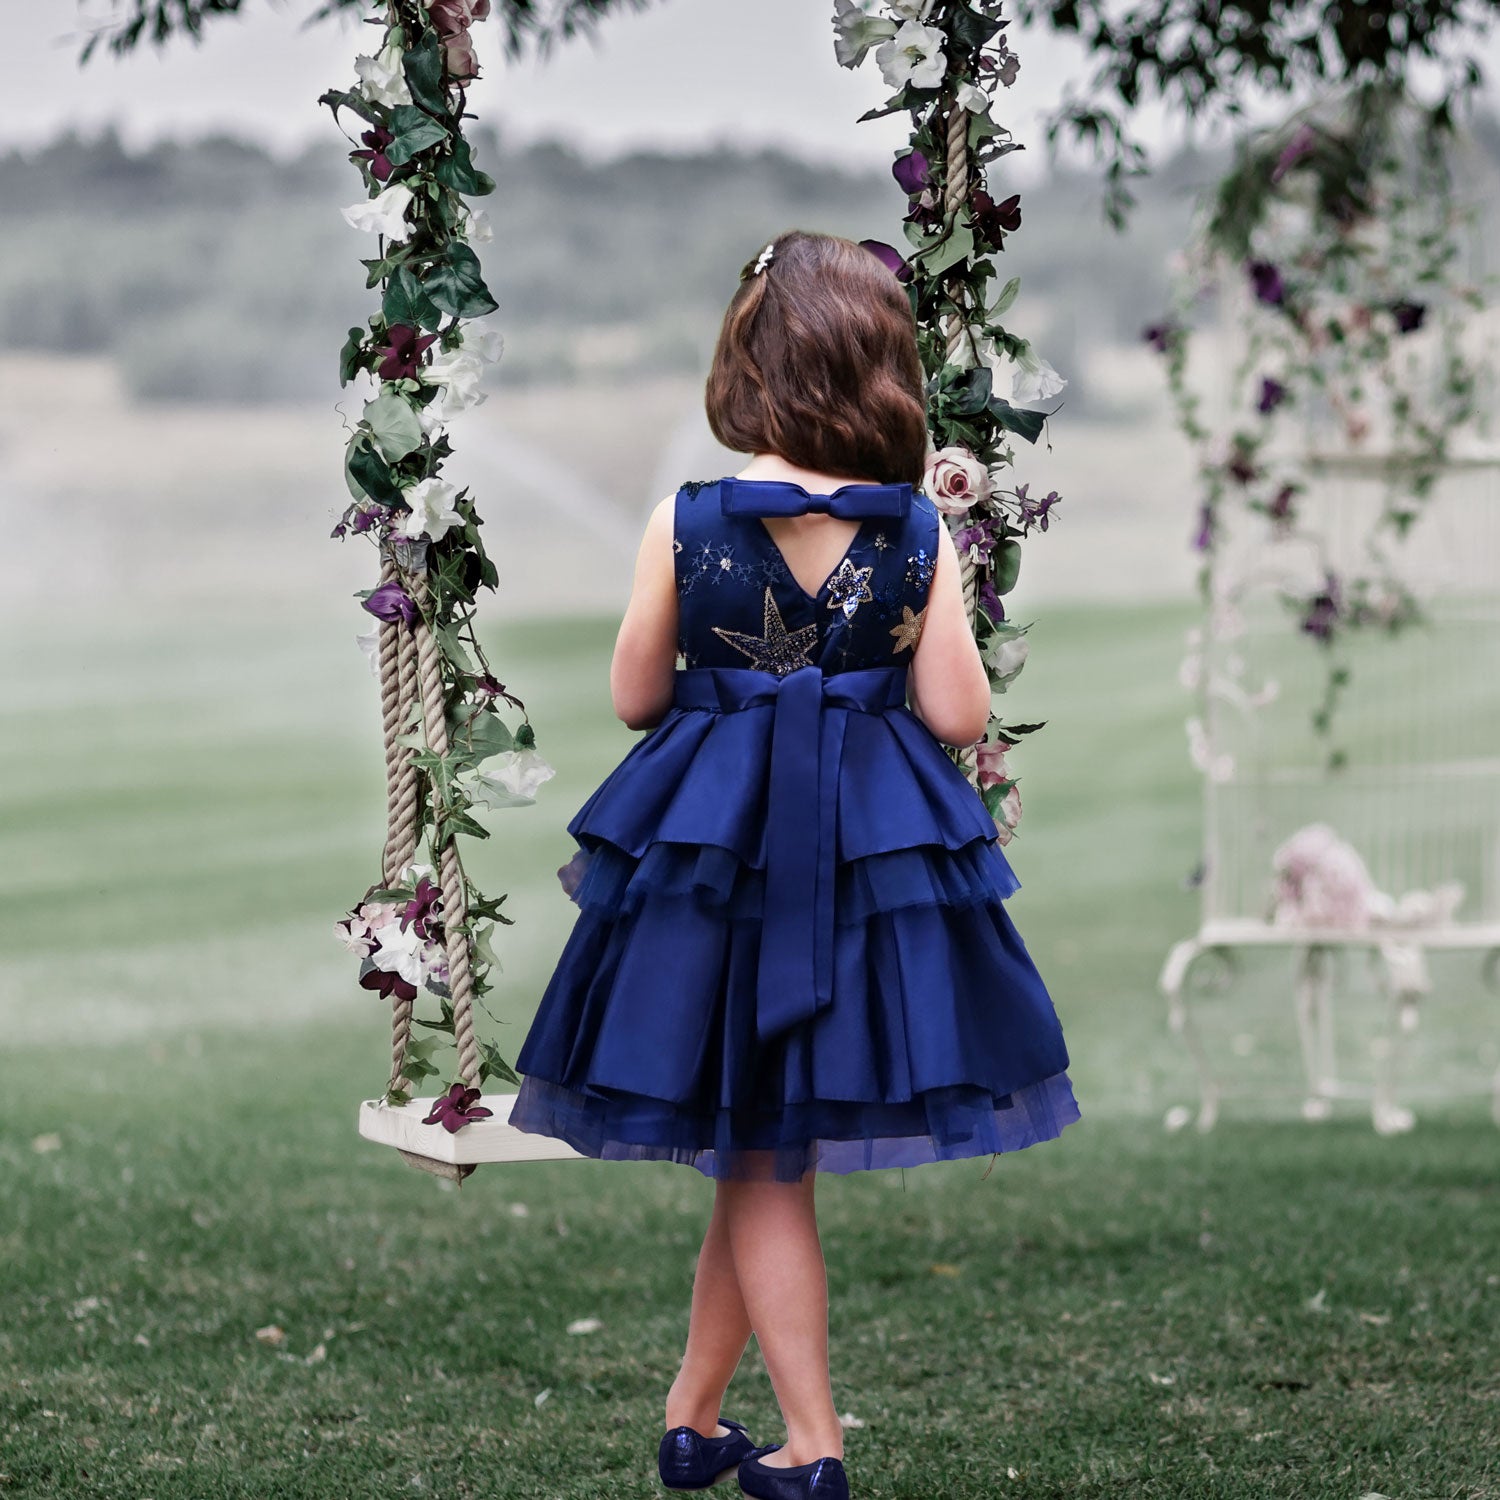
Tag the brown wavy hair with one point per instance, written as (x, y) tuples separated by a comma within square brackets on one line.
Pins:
[(817, 362)]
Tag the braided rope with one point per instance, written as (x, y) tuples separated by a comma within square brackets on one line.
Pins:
[(451, 875), (955, 199)]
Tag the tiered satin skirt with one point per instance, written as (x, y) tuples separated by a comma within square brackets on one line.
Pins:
[(940, 1041)]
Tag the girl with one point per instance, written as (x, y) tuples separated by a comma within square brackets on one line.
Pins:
[(792, 951)]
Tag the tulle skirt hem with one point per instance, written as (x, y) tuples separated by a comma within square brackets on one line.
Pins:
[(839, 1136)]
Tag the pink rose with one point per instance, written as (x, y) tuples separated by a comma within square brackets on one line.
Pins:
[(954, 480), (451, 17), (1008, 815), (460, 61), (990, 756)]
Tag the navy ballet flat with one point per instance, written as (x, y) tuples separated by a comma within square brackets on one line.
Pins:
[(823, 1479), (689, 1461)]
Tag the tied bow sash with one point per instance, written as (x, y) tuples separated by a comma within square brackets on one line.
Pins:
[(811, 712), (781, 497)]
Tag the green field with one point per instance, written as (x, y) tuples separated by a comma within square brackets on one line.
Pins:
[(1275, 1309)]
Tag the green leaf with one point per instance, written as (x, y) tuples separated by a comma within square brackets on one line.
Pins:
[(1002, 303), (1007, 565), (1016, 419), (415, 130), (453, 648), (351, 355), (370, 472), (493, 1065), (394, 424), (484, 952), (457, 287), (337, 99), (406, 302), (958, 246), (971, 29), (423, 67), (456, 169), (487, 735)]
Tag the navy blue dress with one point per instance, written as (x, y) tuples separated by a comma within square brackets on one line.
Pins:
[(791, 935)]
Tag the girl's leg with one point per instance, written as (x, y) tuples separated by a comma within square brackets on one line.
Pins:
[(778, 1258), (718, 1330)]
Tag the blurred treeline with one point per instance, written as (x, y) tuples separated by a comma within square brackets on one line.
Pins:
[(214, 270)]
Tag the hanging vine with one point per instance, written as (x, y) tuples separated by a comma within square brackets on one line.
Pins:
[(1340, 236), (946, 61), (423, 925)]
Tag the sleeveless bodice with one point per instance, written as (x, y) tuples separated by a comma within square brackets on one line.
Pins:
[(740, 606)]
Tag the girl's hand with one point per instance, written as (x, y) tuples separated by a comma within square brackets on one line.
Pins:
[(948, 684), (645, 659)]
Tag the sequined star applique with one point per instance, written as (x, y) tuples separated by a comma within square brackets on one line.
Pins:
[(909, 631), (779, 650), (882, 542), (849, 587), (919, 569)]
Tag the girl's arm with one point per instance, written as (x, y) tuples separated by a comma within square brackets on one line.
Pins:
[(948, 684), (645, 659)]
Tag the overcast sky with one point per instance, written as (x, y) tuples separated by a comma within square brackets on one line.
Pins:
[(682, 73)]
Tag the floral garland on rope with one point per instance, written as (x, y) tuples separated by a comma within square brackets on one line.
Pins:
[(423, 923), (945, 59), (1339, 235)]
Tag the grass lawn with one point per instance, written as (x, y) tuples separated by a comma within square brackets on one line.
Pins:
[(1272, 1310)]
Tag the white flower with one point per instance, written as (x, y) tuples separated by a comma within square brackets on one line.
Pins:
[(1007, 815), (369, 642), (458, 372), (400, 951), (1006, 658), (385, 213), (972, 98), (381, 80), (414, 874), (1035, 379), (856, 29), (913, 56), (1216, 767), (477, 229), (911, 10), (510, 779), (432, 510)]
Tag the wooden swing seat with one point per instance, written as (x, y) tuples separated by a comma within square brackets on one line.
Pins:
[(454, 1156)]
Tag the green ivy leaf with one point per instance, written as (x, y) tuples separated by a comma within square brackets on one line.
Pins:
[(337, 99), (971, 29), (351, 355), (456, 170), (394, 425), (493, 1065), (457, 287), (415, 130), (423, 67), (370, 472), (958, 246), (1017, 419), (1002, 303), (405, 301)]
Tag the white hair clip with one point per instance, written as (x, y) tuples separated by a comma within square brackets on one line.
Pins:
[(765, 258)]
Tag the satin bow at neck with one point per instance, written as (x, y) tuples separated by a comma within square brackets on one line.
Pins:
[(783, 497), (810, 713)]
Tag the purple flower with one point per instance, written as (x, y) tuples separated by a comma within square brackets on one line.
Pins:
[(889, 257), (1204, 539), (1162, 336), (376, 141), (1301, 143), (989, 602), (912, 172), (386, 982), (1280, 508), (1266, 281), (1322, 612), (1409, 316), (1272, 394), (1241, 465), (421, 913), (391, 602), (1037, 511), (994, 220), (402, 355), (457, 1108)]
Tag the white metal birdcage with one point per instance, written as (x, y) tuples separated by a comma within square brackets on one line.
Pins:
[(1418, 795)]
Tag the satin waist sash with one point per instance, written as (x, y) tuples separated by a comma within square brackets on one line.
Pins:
[(811, 711)]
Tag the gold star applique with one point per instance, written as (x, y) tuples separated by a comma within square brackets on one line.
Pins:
[(909, 631), (849, 587), (779, 650)]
